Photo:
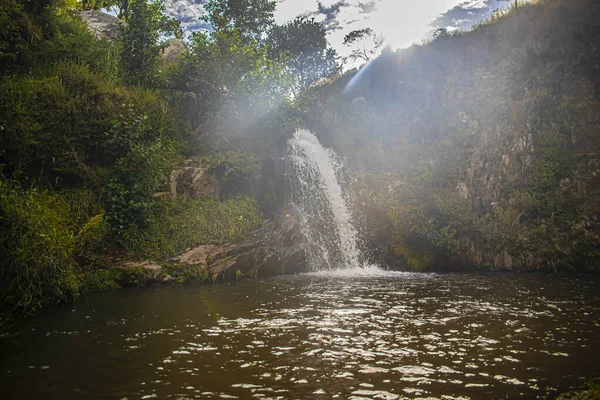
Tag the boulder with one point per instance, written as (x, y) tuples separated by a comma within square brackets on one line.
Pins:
[(102, 25), (278, 248), (171, 51), (153, 269)]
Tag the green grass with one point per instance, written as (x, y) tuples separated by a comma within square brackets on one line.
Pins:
[(193, 222)]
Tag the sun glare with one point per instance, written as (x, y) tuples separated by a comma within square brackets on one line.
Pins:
[(403, 22)]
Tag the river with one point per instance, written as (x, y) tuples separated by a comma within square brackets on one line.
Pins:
[(368, 334)]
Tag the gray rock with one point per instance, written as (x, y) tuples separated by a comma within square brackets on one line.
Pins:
[(102, 25), (172, 50), (463, 190)]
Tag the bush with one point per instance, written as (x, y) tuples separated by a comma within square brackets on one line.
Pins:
[(36, 246), (127, 196), (37, 34), (139, 40)]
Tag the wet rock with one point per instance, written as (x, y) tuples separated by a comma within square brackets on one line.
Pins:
[(101, 25), (271, 186), (154, 269)]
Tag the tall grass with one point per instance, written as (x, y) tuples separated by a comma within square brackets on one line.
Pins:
[(193, 222)]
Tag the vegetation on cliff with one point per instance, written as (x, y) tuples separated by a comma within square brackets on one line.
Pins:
[(91, 130), (478, 149)]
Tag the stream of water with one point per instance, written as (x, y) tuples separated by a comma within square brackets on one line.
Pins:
[(316, 177), (339, 334)]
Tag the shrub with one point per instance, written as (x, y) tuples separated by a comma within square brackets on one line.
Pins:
[(127, 199), (36, 246)]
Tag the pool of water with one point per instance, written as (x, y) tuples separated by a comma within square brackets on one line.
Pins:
[(381, 335)]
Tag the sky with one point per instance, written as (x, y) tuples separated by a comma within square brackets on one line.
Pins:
[(401, 22)]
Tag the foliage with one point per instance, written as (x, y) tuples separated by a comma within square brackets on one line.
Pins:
[(136, 176), (84, 144), (60, 127), (139, 40), (440, 32), (36, 246), (364, 44), (37, 37), (231, 165), (91, 241), (227, 73), (247, 67), (251, 18), (302, 46)]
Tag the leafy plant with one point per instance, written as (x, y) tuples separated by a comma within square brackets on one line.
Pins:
[(127, 198), (139, 40), (36, 247)]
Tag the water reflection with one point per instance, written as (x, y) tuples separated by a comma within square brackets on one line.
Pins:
[(388, 336)]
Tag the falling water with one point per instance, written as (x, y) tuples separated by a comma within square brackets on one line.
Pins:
[(315, 173)]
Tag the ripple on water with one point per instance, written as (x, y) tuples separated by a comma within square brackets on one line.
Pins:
[(350, 334)]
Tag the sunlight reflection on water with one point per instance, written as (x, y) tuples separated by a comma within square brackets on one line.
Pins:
[(351, 334)]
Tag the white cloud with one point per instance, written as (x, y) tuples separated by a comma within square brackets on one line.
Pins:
[(287, 10), (404, 22), (401, 22), (188, 12)]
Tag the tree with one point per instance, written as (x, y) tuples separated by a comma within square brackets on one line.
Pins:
[(364, 44), (224, 70), (303, 46), (441, 32), (139, 39), (251, 18)]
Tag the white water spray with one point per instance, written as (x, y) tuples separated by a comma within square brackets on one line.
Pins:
[(315, 173)]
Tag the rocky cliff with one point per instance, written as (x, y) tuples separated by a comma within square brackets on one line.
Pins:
[(479, 149)]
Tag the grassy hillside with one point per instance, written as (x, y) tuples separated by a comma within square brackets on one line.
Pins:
[(83, 147)]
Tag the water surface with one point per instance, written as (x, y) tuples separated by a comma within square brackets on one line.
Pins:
[(382, 335)]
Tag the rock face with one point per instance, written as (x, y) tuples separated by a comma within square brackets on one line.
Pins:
[(504, 120), (173, 48), (194, 181), (277, 248), (102, 25)]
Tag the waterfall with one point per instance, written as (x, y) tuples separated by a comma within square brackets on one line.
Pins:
[(315, 174)]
